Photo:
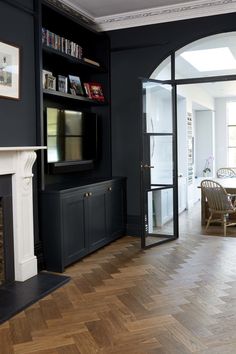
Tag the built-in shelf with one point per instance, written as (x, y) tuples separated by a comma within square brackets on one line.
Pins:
[(70, 96), (72, 59), (89, 64), (70, 166)]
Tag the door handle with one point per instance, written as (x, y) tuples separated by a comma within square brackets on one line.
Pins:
[(147, 166)]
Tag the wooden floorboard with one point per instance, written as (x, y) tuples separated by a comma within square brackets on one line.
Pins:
[(179, 298)]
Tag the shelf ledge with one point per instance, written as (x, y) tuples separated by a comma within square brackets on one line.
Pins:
[(73, 97)]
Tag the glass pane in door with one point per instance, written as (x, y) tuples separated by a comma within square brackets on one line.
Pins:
[(161, 157), (157, 107), (160, 223)]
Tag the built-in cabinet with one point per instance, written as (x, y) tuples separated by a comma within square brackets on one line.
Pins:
[(78, 220), (182, 193), (82, 207)]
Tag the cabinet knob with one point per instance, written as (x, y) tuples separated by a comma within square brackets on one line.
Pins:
[(109, 189), (86, 195), (90, 193)]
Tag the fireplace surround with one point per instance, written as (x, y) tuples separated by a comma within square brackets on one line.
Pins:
[(17, 162), (26, 286)]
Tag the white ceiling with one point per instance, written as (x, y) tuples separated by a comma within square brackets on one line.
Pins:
[(112, 7), (117, 14)]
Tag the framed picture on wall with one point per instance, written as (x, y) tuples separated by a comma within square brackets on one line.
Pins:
[(9, 71)]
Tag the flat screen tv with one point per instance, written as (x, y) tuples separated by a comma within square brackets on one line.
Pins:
[(71, 137)]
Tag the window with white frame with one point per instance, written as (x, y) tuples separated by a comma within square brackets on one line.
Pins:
[(231, 132)]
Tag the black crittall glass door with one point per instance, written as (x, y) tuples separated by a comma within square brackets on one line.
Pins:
[(159, 190)]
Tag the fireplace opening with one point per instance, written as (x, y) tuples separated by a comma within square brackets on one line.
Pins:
[(7, 274), (2, 265)]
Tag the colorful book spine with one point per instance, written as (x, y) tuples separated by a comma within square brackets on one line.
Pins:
[(63, 45)]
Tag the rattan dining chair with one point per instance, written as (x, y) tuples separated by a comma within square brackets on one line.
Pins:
[(219, 203), (225, 172)]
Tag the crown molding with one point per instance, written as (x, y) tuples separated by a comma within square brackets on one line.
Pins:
[(162, 14), (76, 13)]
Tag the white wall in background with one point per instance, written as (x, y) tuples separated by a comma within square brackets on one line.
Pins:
[(205, 141), (221, 131)]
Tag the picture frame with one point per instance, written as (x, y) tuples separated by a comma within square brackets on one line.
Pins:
[(75, 85), (62, 83), (50, 82), (44, 77), (9, 71), (95, 91)]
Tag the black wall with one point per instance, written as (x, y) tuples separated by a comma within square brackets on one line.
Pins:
[(135, 53), (18, 117)]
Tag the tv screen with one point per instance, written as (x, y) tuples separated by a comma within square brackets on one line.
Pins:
[(71, 135)]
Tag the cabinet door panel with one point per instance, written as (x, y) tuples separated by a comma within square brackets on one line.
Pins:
[(74, 228), (97, 219)]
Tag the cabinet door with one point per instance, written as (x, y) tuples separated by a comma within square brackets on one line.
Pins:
[(115, 210), (75, 243), (97, 217), (182, 194)]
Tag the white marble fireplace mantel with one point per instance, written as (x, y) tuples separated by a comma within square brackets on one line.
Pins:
[(18, 162)]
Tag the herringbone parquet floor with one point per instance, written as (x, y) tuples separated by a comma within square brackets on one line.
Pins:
[(178, 298)]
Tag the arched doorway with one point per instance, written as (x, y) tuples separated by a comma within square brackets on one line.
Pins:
[(199, 78)]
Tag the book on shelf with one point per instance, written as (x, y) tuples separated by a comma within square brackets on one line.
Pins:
[(90, 61), (94, 91), (63, 45)]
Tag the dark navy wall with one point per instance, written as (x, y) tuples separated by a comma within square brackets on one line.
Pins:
[(135, 53), (18, 118)]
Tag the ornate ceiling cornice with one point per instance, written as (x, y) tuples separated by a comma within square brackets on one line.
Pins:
[(75, 13), (166, 14), (192, 9)]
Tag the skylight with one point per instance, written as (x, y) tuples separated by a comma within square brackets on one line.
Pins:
[(211, 59)]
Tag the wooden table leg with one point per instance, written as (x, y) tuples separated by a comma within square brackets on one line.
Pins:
[(203, 209)]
